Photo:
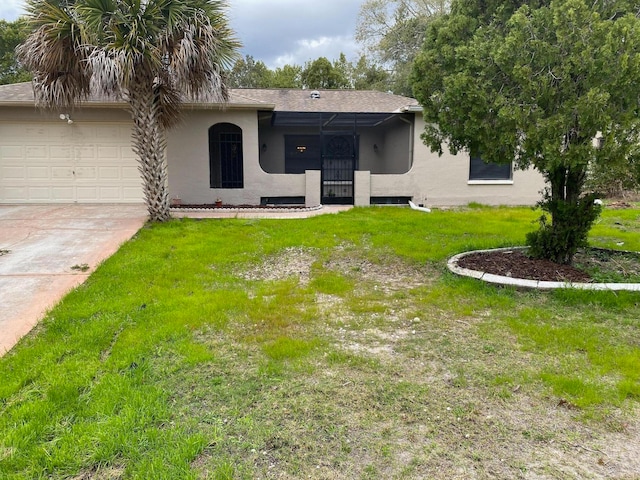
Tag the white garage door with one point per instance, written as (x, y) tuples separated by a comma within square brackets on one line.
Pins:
[(62, 163)]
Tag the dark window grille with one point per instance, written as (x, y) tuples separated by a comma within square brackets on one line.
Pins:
[(225, 156)]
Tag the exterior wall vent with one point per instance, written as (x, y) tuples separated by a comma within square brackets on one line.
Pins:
[(315, 94)]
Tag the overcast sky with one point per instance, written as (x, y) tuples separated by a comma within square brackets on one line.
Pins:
[(280, 32)]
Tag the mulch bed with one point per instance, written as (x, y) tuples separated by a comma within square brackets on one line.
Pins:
[(516, 264), (214, 206)]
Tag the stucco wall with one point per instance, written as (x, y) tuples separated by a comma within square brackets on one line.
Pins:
[(78, 115), (188, 160), (431, 180), (443, 180)]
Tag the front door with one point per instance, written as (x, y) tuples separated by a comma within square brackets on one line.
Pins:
[(338, 166)]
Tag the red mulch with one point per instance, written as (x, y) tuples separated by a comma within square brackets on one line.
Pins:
[(516, 264)]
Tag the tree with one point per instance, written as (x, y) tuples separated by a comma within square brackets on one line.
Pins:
[(537, 84), (11, 35), (369, 76), (288, 76), (322, 74), (392, 32), (247, 73), (155, 54)]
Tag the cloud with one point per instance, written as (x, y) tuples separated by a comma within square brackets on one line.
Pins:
[(279, 32), (307, 49), (11, 9), (293, 32)]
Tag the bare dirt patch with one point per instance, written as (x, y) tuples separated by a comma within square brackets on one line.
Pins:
[(423, 396), (291, 262)]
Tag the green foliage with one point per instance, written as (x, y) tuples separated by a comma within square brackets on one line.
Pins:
[(615, 178), (247, 73), (535, 83), (287, 77), (12, 34), (369, 76), (321, 73), (185, 356), (560, 240), (392, 32)]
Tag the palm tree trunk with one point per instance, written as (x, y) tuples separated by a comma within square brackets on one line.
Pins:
[(149, 143)]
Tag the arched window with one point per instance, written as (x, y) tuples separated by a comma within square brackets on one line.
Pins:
[(225, 156)]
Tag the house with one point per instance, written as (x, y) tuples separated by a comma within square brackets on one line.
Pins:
[(266, 146)]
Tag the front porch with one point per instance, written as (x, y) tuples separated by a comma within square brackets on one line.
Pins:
[(338, 153)]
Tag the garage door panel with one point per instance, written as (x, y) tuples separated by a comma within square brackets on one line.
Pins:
[(36, 152), (83, 173), (63, 194), (11, 151), (131, 173), (110, 193), (38, 173), (61, 173), (132, 194), (109, 172), (15, 194), (84, 152), (13, 173), (87, 194), (109, 152), (60, 152), (60, 162)]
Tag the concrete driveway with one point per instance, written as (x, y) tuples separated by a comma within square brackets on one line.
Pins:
[(39, 247)]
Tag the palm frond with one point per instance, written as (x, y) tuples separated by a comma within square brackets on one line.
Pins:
[(53, 53)]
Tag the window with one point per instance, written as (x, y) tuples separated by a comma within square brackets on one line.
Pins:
[(488, 171), (225, 156)]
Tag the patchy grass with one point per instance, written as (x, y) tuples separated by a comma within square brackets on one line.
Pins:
[(333, 347)]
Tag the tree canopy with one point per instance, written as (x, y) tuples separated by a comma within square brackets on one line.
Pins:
[(11, 35), (548, 85), (392, 32), (319, 73)]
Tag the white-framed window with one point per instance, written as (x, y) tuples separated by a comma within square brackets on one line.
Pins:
[(481, 171)]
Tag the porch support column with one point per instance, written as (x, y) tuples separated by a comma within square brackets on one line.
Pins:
[(312, 188), (362, 188)]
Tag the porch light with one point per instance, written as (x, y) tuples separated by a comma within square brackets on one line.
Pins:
[(301, 148)]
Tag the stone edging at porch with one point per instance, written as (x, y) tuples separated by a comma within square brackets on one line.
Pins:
[(452, 265), (248, 209)]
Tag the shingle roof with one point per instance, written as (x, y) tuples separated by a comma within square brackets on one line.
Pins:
[(353, 101), (283, 100)]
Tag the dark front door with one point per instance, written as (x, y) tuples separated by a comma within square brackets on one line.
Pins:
[(338, 166)]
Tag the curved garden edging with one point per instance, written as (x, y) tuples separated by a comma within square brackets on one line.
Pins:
[(452, 265)]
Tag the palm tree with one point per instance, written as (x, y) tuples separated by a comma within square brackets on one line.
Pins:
[(154, 54)]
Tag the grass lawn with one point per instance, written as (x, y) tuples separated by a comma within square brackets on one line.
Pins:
[(336, 347)]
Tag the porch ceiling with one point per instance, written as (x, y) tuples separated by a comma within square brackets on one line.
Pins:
[(330, 119)]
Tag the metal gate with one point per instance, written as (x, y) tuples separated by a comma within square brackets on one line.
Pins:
[(338, 166)]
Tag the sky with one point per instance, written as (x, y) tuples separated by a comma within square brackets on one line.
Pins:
[(280, 32)]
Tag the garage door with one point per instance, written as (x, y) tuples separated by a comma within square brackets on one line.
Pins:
[(62, 163)]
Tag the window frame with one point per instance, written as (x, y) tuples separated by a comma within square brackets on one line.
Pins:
[(489, 173)]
